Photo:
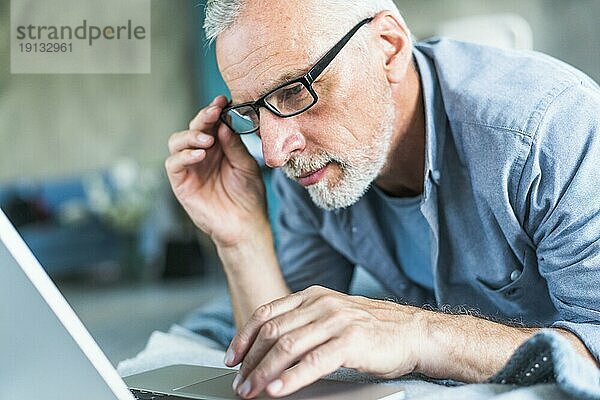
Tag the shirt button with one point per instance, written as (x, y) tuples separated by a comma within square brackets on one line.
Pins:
[(515, 275), (436, 175), (354, 229)]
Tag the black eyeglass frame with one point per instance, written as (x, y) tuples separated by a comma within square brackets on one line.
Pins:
[(306, 80)]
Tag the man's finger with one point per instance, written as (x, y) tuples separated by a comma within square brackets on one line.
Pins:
[(206, 120), (234, 149), (177, 163), (288, 349), (242, 341), (277, 332), (316, 364), (190, 139)]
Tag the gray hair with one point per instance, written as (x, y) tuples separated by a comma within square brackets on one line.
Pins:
[(222, 14)]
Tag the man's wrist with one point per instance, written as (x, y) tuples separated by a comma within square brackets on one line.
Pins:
[(257, 242), (422, 326), (464, 347), (253, 273), (256, 231), (447, 344)]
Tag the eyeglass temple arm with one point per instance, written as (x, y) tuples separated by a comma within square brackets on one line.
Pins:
[(324, 62)]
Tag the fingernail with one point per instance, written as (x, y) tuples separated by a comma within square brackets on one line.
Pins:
[(236, 381), (245, 389), (229, 357), (197, 153), (275, 386), (214, 101), (203, 139), (213, 113)]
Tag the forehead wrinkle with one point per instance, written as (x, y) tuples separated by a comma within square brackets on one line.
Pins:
[(235, 65), (274, 82), (269, 79), (267, 64), (277, 58), (270, 49)]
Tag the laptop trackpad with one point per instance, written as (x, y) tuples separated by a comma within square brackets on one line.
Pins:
[(220, 388)]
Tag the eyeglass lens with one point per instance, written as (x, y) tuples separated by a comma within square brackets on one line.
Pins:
[(290, 99), (243, 119)]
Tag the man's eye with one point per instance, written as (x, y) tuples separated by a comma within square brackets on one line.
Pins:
[(289, 99), (293, 90), (243, 113)]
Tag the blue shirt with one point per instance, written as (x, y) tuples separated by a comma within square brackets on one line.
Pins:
[(511, 195), (406, 231)]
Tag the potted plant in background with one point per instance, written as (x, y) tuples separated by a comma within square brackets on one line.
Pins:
[(123, 199)]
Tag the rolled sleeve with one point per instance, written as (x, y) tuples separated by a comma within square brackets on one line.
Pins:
[(213, 321), (561, 199), (588, 333)]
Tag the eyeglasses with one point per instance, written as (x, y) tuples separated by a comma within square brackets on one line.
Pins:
[(288, 100)]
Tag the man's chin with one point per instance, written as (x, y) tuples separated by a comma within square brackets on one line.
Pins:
[(339, 187), (332, 199)]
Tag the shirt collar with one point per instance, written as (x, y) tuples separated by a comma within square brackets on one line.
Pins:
[(436, 121)]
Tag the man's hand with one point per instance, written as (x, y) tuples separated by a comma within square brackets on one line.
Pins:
[(215, 178), (294, 341), (220, 186)]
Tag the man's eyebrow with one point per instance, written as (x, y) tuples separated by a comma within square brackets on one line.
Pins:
[(280, 80), (286, 77)]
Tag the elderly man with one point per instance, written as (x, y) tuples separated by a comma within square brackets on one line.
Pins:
[(460, 176)]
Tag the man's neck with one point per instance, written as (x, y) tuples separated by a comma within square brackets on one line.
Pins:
[(403, 174)]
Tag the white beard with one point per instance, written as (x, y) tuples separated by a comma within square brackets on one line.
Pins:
[(357, 173)]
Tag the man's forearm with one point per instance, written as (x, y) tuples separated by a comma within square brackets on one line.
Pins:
[(253, 274), (471, 349)]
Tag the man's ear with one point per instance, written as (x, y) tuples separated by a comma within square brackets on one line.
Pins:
[(394, 40)]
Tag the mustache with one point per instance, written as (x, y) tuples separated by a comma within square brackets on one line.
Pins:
[(301, 165)]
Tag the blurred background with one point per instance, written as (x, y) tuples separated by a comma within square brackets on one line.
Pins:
[(81, 157)]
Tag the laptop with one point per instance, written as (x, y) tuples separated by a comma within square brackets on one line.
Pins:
[(47, 354)]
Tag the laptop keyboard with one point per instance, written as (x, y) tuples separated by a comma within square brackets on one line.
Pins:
[(145, 395)]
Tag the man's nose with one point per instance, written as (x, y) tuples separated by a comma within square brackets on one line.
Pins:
[(281, 138)]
